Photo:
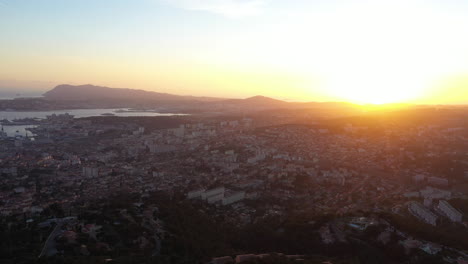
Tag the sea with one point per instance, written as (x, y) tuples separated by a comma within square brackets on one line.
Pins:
[(12, 95), (16, 130)]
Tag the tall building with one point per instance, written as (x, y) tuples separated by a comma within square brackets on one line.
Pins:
[(195, 194), (452, 213), (215, 198), (434, 193), (422, 213), (213, 192), (232, 198), (90, 172), (428, 202), (3, 134), (418, 178), (438, 181)]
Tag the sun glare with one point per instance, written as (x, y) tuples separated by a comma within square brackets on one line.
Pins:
[(374, 88)]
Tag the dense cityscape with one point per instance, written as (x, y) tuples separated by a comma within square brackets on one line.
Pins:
[(233, 132), (236, 186)]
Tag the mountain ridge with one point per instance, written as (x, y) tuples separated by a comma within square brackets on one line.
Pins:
[(69, 92), (90, 96)]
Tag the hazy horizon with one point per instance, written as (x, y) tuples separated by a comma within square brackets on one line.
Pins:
[(11, 93), (353, 51), (234, 131)]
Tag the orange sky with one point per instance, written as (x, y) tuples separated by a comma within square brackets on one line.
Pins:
[(358, 51)]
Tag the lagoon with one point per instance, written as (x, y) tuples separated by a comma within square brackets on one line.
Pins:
[(78, 113)]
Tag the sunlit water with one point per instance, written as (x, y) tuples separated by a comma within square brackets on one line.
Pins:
[(78, 113)]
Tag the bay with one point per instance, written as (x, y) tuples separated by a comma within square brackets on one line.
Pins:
[(14, 130), (77, 113)]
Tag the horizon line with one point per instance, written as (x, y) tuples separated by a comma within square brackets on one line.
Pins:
[(45, 90)]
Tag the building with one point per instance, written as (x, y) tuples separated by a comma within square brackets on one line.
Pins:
[(19, 189), (428, 202), (422, 213), (215, 198), (61, 118), (179, 132), (10, 170), (222, 260), (3, 134), (452, 213), (411, 194), (418, 178), (18, 143), (234, 123), (90, 172), (434, 193), (232, 198), (161, 148), (212, 192), (195, 194), (438, 181), (245, 258)]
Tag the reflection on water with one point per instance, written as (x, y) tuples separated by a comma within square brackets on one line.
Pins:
[(12, 131), (78, 113)]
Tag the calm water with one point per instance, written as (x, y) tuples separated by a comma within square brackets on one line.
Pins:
[(12, 97), (78, 113)]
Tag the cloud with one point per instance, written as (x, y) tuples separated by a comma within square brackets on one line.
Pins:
[(228, 8)]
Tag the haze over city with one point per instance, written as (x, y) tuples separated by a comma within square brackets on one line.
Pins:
[(356, 51), (233, 132)]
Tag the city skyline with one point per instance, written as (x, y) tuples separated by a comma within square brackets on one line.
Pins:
[(234, 131)]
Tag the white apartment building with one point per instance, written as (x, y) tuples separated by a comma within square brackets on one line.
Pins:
[(435, 193), (195, 193), (422, 213), (235, 197), (90, 172), (206, 194), (438, 181), (215, 198), (452, 213)]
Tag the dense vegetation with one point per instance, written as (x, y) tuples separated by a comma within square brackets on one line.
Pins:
[(195, 235)]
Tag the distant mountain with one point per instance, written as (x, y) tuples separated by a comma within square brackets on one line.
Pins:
[(97, 93), (91, 96), (264, 99), (257, 101)]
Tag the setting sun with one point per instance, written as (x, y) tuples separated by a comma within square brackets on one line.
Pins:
[(234, 131), (357, 51), (375, 86)]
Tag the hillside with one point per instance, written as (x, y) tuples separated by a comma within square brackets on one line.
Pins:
[(90, 92), (91, 96)]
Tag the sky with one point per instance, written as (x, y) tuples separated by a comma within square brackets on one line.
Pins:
[(298, 50)]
